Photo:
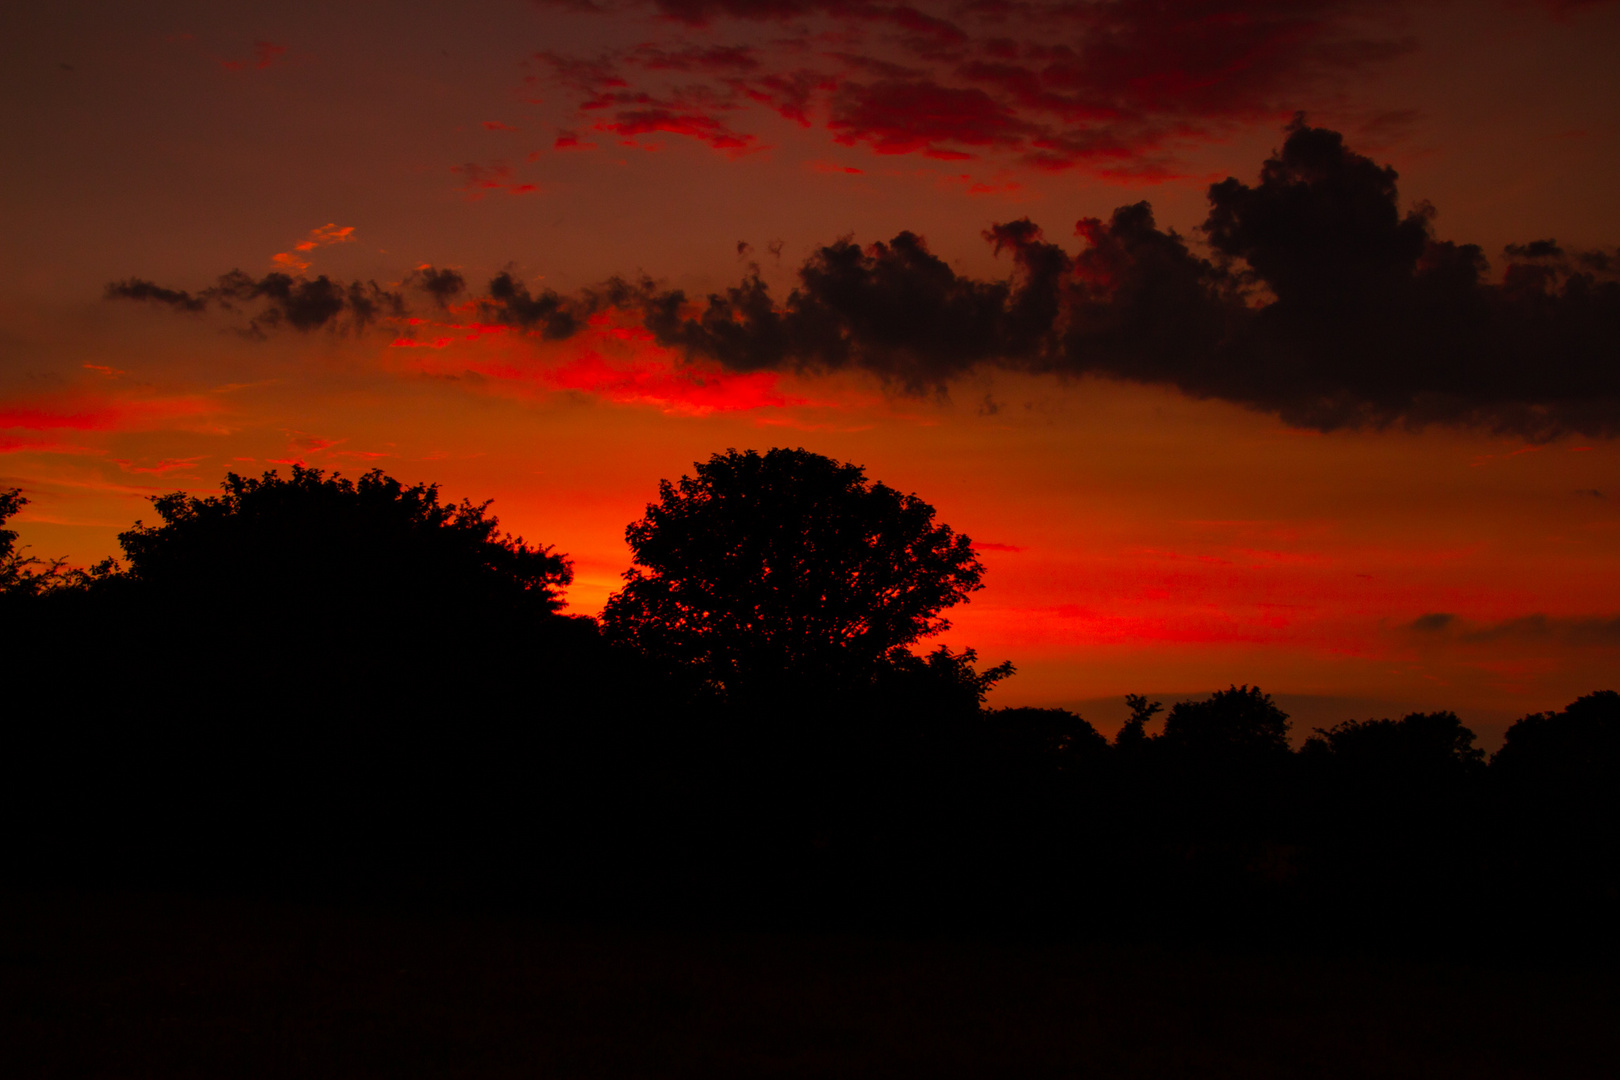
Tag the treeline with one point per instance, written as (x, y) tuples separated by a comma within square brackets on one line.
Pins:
[(318, 687)]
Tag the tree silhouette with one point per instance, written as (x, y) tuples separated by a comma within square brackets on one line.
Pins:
[(1556, 783), (787, 569), (1133, 733), (279, 541), (1235, 723), (27, 575), (1394, 815), (13, 566), (1418, 749), (336, 591)]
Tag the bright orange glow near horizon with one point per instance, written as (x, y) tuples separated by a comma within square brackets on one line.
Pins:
[(1138, 537)]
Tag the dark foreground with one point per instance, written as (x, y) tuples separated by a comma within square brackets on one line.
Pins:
[(136, 985)]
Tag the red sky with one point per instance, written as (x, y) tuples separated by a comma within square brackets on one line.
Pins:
[(1165, 533)]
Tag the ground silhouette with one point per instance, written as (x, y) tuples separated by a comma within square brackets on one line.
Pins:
[(313, 687)]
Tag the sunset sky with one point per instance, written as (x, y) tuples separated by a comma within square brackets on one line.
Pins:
[(1367, 470)]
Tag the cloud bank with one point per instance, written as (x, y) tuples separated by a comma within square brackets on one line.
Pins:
[(280, 300), (1314, 298)]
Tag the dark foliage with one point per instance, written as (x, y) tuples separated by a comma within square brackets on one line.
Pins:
[(319, 687), (284, 548), (1238, 724), (12, 563), (787, 571), (1556, 783)]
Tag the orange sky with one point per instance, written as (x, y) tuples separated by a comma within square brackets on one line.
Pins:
[(1136, 539)]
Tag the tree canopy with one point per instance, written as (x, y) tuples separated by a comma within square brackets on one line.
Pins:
[(12, 565), (372, 571), (351, 540), (1238, 722), (786, 565)]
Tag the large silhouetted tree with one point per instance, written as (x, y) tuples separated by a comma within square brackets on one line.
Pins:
[(786, 569), (312, 548), (366, 590)]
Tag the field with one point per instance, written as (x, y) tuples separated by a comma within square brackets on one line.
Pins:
[(136, 985)]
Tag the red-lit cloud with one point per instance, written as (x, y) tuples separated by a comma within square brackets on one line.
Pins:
[(265, 54), (99, 415), (160, 467), (920, 117), (662, 384), (707, 129), (319, 237), (480, 180), (1113, 88)]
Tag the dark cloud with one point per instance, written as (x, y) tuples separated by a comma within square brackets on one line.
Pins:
[(443, 285), (1435, 621), (1324, 303), (1578, 631), (726, 59), (510, 303), (702, 12), (1535, 249), (1320, 301), (1375, 320), (277, 300), (140, 289)]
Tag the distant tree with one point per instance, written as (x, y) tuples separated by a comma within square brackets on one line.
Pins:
[(1134, 732), (12, 565), (27, 575), (1577, 750), (789, 568), (1057, 738), (1418, 748), (1394, 810), (1556, 782), (1238, 722)]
